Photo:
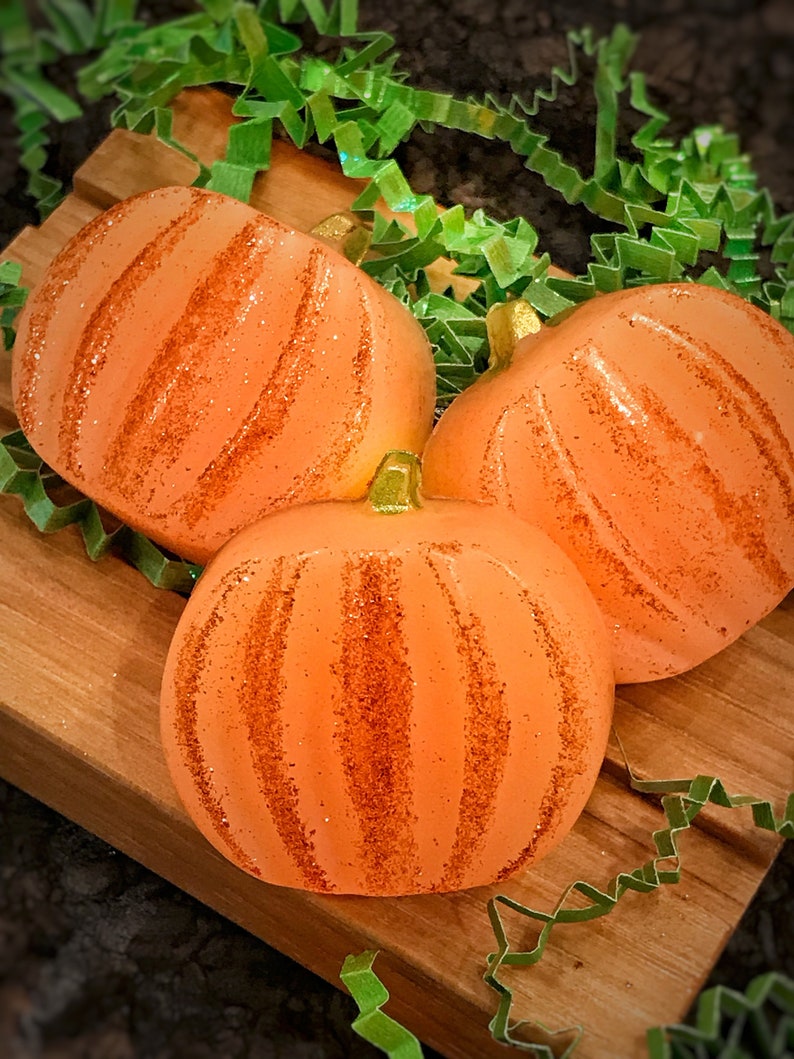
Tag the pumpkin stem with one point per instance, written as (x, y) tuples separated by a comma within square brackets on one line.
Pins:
[(395, 487), (506, 323), (346, 233)]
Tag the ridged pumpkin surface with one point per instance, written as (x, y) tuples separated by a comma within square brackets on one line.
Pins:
[(651, 435), (357, 702), (191, 364)]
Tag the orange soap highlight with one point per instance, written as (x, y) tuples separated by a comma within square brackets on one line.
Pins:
[(358, 701), (190, 364), (650, 433)]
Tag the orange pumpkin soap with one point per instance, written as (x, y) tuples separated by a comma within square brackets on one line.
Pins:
[(191, 364), (387, 696), (650, 433)]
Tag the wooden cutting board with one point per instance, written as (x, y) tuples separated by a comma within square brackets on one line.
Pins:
[(82, 650)]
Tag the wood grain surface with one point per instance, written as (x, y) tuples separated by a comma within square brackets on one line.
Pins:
[(82, 651)]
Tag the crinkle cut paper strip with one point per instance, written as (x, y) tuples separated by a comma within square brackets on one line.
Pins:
[(675, 202), (755, 1024), (672, 202), (23, 473), (681, 800), (372, 1023)]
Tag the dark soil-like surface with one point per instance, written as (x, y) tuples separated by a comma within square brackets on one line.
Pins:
[(99, 959)]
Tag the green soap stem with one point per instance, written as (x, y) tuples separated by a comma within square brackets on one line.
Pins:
[(507, 323), (395, 487)]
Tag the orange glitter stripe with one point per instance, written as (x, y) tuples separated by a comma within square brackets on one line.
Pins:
[(189, 671), (167, 391), (31, 358), (736, 513), (374, 714), (573, 731), (587, 512), (277, 397), (730, 386), (486, 724), (260, 695), (353, 419), (91, 351)]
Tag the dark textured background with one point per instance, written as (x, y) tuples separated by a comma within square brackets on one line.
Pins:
[(99, 959)]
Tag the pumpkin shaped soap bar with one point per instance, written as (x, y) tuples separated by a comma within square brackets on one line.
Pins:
[(650, 433), (387, 696), (190, 364)]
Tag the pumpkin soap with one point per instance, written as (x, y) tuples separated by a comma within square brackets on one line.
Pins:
[(190, 364), (650, 433), (387, 696)]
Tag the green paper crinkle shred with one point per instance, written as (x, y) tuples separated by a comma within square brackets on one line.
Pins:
[(71, 27), (672, 201), (669, 208), (755, 1024), (23, 473), (12, 298), (682, 801), (372, 1023)]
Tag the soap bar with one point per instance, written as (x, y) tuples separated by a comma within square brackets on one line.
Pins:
[(650, 433), (369, 697), (190, 364)]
